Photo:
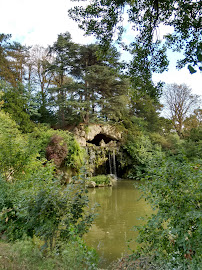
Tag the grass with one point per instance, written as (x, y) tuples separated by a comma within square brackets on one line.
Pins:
[(8, 258), (24, 255)]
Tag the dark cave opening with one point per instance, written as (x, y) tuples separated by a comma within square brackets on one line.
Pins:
[(99, 137)]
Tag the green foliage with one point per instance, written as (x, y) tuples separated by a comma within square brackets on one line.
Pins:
[(102, 19), (193, 126), (42, 136), (98, 90), (170, 143), (12, 60), (23, 153), (39, 206), (156, 138), (16, 150), (54, 214), (146, 108), (193, 149), (15, 102), (16, 195), (32, 201), (101, 179), (27, 255), (172, 236), (141, 153)]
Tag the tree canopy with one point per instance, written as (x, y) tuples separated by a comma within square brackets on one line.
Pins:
[(105, 18), (179, 102)]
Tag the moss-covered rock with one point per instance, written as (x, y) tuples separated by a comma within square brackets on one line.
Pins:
[(100, 181)]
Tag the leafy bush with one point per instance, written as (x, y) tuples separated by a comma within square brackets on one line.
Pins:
[(43, 209), (193, 144), (15, 148), (172, 236), (101, 179), (32, 201), (25, 254), (21, 153), (43, 135), (140, 152), (193, 150), (56, 150)]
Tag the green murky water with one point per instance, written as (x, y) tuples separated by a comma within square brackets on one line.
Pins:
[(120, 209)]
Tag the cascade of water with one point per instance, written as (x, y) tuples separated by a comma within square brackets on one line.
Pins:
[(110, 163), (114, 162), (97, 163)]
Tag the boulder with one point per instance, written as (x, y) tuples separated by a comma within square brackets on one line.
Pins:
[(91, 184), (113, 177)]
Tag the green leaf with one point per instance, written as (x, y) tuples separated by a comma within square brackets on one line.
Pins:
[(199, 57), (191, 69)]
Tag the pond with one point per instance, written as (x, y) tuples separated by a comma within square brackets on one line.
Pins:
[(120, 210)]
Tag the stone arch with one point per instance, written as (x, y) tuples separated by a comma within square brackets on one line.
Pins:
[(99, 138)]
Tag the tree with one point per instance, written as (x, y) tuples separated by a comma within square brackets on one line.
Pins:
[(108, 93), (179, 102), (98, 76), (194, 120), (63, 52), (105, 18), (5, 72), (86, 84), (13, 58), (147, 109), (193, 126), (16, 103), (40, 79)]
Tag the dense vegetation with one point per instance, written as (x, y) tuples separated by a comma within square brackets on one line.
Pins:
[(46, 92), (36, 211)]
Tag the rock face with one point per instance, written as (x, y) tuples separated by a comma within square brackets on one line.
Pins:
[(102, 144), (100, 135)]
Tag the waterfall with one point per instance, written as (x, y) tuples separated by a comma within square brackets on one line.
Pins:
[(110, 163), (114, 162), (100, 160)]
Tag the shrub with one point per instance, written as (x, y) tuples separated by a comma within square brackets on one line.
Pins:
[(20, 153), (101, 179), (25, 254), (56, 150), (15, 149), (172, 236), (141, 152), (43, 209), (60, 142)]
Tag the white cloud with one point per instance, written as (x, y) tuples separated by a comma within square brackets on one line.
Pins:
[(39, 21), (194, 81)]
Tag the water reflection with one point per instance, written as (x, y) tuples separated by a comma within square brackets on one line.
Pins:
[(120, 209)]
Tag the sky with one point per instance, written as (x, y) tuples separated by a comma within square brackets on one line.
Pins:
[(39, 22)]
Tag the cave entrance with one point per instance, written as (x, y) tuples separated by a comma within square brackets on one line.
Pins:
[(99, 137)]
